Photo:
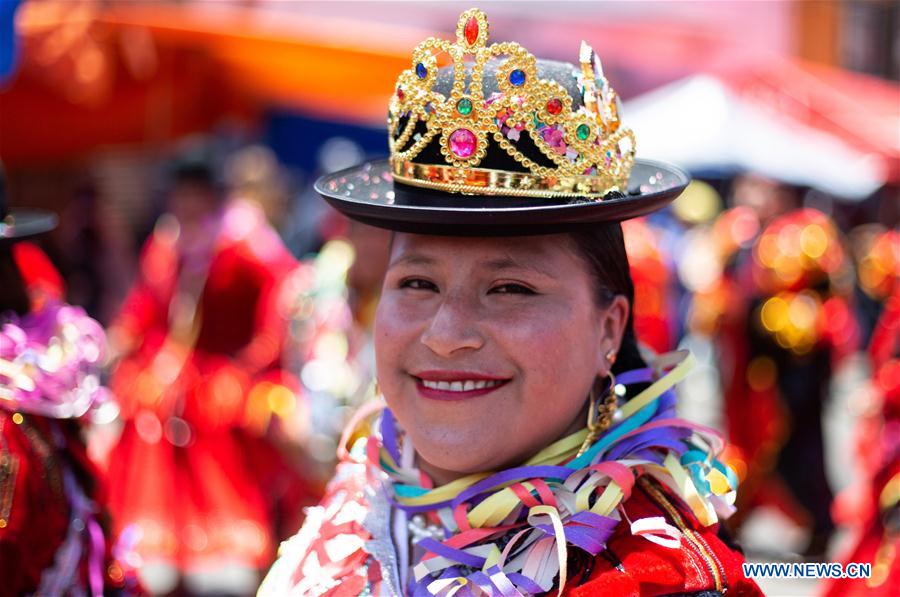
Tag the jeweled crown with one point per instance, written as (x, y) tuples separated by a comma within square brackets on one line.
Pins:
[(468, 117)]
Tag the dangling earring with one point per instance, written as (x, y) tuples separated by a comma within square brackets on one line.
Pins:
[(600, 416)]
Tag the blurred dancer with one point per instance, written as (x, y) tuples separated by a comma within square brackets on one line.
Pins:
[(797, 328), (873, 507), (196, 472), (335, 295), (54, 530), (654, 296), (255, 175)]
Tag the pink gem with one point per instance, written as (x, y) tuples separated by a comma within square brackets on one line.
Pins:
[(463, 143)]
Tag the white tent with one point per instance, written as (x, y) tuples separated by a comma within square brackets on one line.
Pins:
[(700, 124)]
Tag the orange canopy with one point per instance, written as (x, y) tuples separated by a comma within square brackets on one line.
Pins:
[(146, 74)]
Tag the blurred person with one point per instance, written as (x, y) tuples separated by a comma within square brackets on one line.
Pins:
[(871, 507), (776, 300), (791, 329), (254, 174), (55, 532), (96, 255), (197, 473), (767, 198), (655, 315), (525, 446), (335, 294)]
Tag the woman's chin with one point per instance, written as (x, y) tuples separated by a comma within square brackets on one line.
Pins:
[(458, 460)]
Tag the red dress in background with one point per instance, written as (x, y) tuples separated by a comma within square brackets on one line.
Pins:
[(876, 515), (654, 311), (196, 472)]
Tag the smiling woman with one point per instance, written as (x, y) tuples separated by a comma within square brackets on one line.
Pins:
[(525, 447), (517, 316)]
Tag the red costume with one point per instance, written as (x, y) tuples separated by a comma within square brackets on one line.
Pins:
[(653, 308), (54, 531), (782, 324), (876, 514), (196, 470)]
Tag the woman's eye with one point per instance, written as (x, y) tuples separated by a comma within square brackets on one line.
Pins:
[(511, 289), (418, 284)]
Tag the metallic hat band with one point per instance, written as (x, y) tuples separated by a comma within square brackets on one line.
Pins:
[(484, 181)]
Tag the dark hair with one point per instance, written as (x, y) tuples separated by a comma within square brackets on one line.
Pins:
[(13, 293), (603, 249)]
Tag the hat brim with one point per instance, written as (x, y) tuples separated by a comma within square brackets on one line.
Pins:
[(368, 194), (27, 224)]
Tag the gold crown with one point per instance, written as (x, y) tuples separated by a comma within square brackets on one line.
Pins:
[(579, 148)]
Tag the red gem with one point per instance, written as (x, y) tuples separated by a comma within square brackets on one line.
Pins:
[(554, 106), (400, 94), (471, 30), (463, 143)]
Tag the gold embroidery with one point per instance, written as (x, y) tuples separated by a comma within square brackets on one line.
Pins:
[(694, 539), (9, 467)]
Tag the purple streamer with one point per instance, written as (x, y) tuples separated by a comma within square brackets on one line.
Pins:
[(521, 473), (483, 581), (524, 583), (98, 552), (389, 435), (457, 555)]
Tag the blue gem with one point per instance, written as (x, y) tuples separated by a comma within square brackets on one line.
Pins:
[(517, 77), (421, 71)]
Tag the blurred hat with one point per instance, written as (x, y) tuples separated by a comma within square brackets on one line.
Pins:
[(20, 224), (488, 140), (196, 160)]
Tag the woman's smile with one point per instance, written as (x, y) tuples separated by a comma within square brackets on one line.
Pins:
[(456, 385)]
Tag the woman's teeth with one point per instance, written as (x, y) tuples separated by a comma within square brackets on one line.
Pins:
[(461, 386)]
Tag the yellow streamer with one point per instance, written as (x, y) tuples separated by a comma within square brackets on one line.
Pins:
[(559, 532), (686, 362), (444, 492)]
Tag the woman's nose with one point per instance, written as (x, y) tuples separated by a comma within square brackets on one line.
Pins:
[(454, 327)]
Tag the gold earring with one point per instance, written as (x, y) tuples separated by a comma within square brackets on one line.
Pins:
[(600, 416)]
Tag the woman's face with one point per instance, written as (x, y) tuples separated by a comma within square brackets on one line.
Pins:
[(487, 348)]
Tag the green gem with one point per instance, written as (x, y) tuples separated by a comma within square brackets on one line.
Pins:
[(464, 107), (583, 131)]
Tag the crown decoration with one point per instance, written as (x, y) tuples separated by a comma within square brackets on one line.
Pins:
[(583, 151)]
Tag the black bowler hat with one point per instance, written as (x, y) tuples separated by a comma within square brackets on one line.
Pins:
[(487, 140), (20, 224)]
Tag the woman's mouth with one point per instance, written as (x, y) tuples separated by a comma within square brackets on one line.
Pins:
[(445, 385)]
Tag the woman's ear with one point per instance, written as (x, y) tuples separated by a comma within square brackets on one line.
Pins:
[(613, 320)]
